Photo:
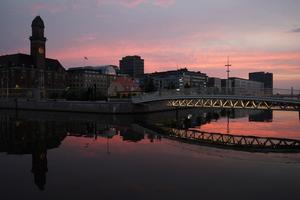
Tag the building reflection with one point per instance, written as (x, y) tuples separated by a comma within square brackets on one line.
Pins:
[(263, 116), (36, 135), (39, 167), (95, 130), (130, 135), (202, 117), (31, 137)]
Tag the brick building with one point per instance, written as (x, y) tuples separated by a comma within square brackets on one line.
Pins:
[(21, 74), (83, 78)]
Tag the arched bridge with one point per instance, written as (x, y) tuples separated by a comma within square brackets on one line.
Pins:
[(188, 99)]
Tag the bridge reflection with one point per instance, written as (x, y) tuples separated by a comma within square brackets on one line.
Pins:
[(235, 142), (251, 143), (187, 128), (35, 133)]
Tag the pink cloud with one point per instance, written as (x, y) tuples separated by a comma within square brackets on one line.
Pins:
[(160, 56), (163, 56)]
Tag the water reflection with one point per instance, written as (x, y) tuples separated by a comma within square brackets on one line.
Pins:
[(264, 116), (265, 123), (31, 137), (206, 117), (35, 133), (30, 134)]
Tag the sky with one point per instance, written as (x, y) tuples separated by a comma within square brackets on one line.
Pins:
[(257, 35)]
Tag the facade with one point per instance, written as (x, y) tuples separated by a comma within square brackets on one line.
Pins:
[(241, 86), (226, 85), (124, 87), (214, 83), (82, 78), (107, 69), (177, 79), (133, 66), (265, 78), (22, 73)]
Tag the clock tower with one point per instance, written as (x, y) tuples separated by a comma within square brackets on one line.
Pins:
[(38, 43)]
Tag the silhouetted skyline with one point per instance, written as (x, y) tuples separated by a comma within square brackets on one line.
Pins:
[(257, 35)]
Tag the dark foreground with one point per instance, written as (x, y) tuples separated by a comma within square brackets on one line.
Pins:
[(76, 156)]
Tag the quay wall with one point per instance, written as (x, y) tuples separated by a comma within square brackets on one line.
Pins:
[(103, 107)]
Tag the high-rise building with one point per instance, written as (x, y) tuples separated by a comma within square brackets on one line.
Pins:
[(132, 65), (264, 77), (226, 85), (240, 86), (214, 82)]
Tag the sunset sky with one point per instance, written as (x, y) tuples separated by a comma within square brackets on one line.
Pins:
[(258, 35)]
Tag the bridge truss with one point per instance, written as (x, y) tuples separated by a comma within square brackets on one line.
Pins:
[(234, 103), (239, 141)]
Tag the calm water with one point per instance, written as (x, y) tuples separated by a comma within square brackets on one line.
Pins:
[(77, 156)]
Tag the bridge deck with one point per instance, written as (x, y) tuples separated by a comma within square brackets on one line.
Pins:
[(223, 101), (156, 97)]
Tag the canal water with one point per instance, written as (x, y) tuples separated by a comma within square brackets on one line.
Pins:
[(47, 155)]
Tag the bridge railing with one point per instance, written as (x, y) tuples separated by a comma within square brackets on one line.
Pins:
[(237, 91)]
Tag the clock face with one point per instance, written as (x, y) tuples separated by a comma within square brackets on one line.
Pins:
[(41, 50)]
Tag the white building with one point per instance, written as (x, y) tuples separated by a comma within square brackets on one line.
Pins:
[(241, 86)]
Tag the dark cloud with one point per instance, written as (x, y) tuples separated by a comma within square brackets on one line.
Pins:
[(297, 30)]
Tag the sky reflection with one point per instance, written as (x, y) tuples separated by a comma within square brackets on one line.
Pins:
[(284, 125)]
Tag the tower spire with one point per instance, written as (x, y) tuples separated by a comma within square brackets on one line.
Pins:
[(38, 49), (38, 42)]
